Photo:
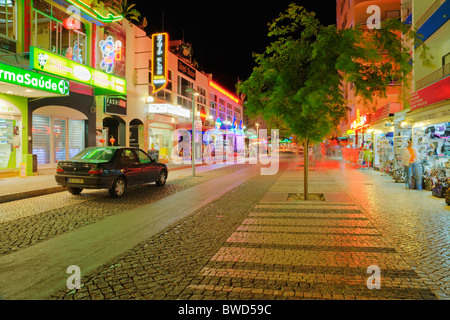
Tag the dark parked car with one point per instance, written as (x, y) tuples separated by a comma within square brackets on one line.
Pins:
[(112, 168)]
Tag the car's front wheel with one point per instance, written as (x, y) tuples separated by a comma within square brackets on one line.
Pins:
[(74, 191), (118, 188), (162, 178)]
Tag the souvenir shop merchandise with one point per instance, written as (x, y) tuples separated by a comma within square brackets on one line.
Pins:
[(384, 155), (433, 146), (401, 137)]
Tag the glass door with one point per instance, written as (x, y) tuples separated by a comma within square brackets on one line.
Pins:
[(59, 140)]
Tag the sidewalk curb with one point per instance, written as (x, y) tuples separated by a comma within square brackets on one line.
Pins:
[(30, 194), (46, 191)]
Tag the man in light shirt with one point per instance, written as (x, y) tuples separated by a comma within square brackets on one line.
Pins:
[(410, 160)]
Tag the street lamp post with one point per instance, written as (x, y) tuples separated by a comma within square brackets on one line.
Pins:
[(194, 94)]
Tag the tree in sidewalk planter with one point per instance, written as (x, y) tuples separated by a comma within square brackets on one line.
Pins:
[(299, 77)]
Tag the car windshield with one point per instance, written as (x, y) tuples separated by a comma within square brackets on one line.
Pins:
[(100, 154)]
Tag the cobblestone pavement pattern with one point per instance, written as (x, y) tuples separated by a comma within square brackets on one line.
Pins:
[(417, 222), (24, 223), (255, 244)]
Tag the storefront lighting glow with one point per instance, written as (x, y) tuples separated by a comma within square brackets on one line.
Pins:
[(223, 91), (359, 122), (169, 109), (94, 13)]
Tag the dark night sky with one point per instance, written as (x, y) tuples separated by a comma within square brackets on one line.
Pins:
[(224, 34)]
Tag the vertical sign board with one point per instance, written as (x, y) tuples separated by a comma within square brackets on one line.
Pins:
[(160, 71)]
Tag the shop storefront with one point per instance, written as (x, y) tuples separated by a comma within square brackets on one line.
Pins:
[(382, 128), (360, 145), (15, 115), (163, 120), (431, 139), (427, 124), (12, 132), (61, 127)]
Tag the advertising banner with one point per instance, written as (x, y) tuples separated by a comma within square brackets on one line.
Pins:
[(434, 93), (51, 63)]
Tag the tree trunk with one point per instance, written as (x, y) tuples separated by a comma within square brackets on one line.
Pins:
[(305, 168)]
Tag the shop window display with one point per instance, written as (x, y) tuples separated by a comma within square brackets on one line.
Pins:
[(433, 145), (384, 156), (6, 141)]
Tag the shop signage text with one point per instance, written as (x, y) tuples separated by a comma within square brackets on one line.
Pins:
[(33, 80), (186, 70), (116, 105), (434, 93), (51, 63), (359, 122), (160, 71), (169, 109)]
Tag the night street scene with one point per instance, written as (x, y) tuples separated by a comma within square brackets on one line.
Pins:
[(216, 159)]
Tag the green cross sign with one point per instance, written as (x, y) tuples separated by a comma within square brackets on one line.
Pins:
[(33, 80)]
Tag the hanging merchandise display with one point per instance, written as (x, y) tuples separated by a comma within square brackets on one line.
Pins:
[(384, 155), (433, 145)]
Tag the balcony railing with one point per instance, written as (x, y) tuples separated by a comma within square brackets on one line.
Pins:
[(433, 77), (432, 9), (20, 60)]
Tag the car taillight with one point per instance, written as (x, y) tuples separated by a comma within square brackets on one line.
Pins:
[(96, 170), (59, 169)]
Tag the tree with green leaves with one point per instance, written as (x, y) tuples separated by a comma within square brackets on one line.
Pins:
[(300, 76)]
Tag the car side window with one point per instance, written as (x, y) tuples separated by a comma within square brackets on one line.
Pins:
[(143, 158), (128, 157)]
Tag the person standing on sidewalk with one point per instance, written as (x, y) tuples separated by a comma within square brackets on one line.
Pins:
[(410, 160)]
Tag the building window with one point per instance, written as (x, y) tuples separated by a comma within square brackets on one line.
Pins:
[(202, 97), (446, 59), (164, 95), (8, 19), (183, 85), (393, 14), (49, 33)]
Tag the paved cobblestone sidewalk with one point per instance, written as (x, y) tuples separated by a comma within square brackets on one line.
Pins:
[(254, 244), (26, 222)]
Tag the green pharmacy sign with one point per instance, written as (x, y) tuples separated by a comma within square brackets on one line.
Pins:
[(51, 63), (33, 80)]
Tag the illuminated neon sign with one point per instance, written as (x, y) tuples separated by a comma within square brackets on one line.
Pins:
[(48, 62), (160, 71), (218, 124), (94, 13), (359, 122), (111, 52), (223, 91)]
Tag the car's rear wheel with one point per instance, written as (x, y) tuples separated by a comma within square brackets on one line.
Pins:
[(162, 178), (118, 188), (74, 191)]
